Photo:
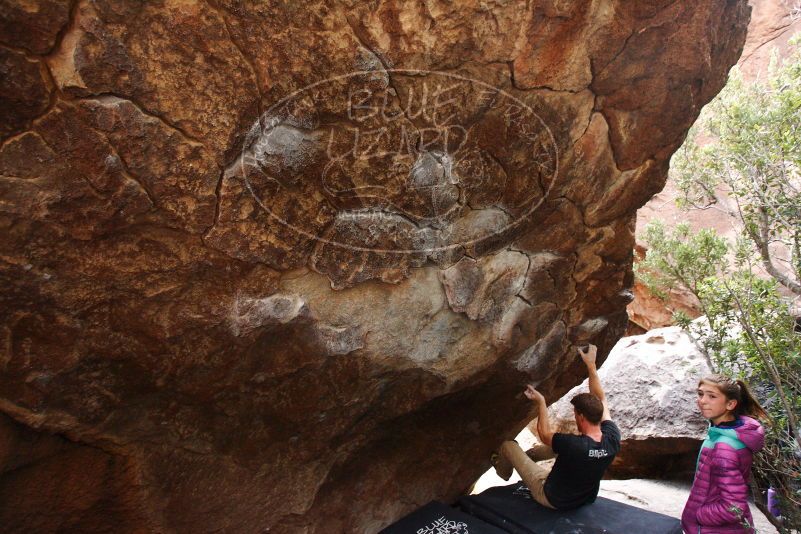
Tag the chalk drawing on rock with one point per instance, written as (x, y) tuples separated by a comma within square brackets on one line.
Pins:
[(426, 154)]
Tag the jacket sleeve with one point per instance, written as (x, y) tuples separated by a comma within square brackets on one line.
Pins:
[(733, 502)]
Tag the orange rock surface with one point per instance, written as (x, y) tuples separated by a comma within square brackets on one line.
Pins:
[(282, 266)]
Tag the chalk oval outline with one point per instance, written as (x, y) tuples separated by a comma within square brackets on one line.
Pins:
[(267, 114)]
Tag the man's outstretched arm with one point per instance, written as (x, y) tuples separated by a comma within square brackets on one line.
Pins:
[(588, 357), (543, 423)]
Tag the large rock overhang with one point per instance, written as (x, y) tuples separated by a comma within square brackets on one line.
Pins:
[(292, 266)]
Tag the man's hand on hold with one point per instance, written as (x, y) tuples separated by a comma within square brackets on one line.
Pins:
[(588, 354), (532, 393)]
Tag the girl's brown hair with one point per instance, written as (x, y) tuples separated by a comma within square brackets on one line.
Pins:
[(737, 390)]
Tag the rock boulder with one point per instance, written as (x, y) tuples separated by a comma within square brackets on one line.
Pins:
[(282, 266)]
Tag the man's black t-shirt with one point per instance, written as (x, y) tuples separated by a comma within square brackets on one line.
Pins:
[(580, 464)]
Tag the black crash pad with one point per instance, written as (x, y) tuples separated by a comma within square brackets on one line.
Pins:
[(512, 509), (438, 518)]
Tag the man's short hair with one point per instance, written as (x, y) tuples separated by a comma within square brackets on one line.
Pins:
[(589, 406)]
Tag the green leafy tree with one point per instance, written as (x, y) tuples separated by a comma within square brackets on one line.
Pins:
[(750, 170), (749, 332), (744, 157)]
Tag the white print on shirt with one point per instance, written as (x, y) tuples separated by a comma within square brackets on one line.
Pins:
[(598, 453), (522, 491), (444, 526)]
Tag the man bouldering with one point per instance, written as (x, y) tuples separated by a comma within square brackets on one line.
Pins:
[(581, 460)]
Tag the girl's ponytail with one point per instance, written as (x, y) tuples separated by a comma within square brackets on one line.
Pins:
[(747, 403)]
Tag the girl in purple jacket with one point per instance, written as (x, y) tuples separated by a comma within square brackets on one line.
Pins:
[(718, 500)]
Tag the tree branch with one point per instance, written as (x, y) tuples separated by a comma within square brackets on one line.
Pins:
[(767, 261), (770, 365)]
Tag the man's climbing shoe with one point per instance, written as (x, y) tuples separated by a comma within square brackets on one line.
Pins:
[(503, 468)]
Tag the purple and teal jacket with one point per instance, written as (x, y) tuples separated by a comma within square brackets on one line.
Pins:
[(718, 500)]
